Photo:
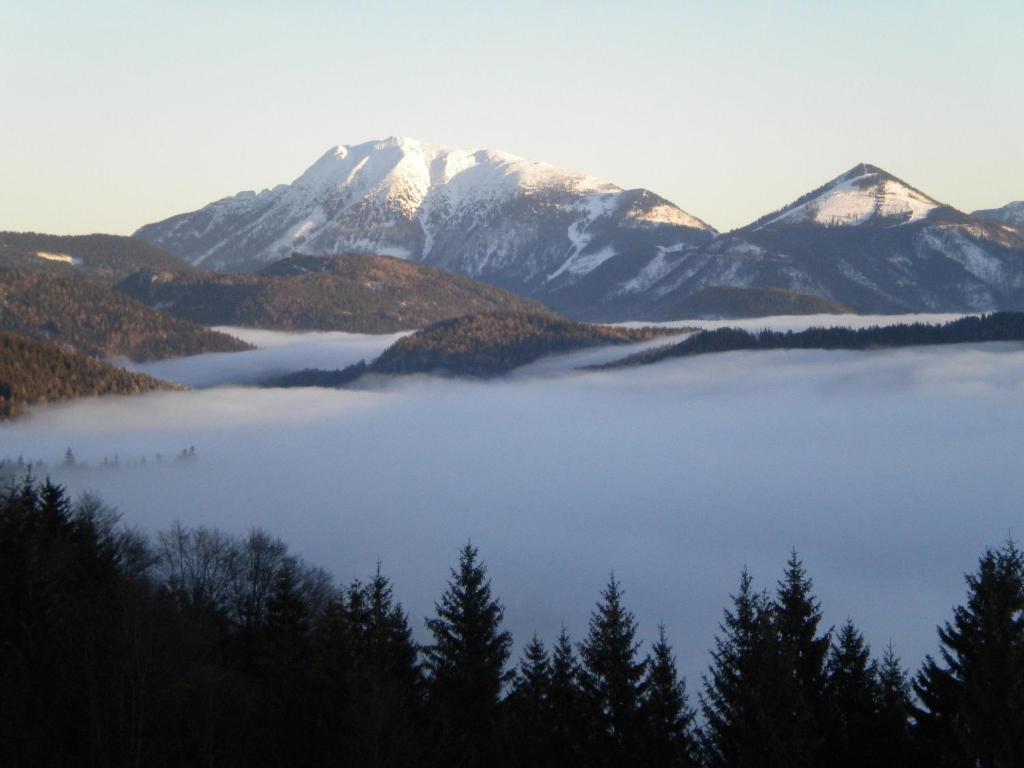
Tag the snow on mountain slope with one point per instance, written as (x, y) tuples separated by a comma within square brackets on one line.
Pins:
[(1011, 214), (864, 193), (864, 239), (595, 251), (521, 224)]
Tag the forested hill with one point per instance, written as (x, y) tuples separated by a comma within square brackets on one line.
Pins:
[(98, 321), (39, 372), (354, 293), (480, 345), (998, 326), (105, 259)]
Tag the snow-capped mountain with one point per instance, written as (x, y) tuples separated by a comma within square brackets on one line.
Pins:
[(1011, 214), (866, 240), (559, 235)]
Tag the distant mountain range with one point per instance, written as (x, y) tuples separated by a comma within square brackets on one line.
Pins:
[(865, 240)]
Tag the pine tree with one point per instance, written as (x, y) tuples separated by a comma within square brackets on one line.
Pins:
[(738, 697), (282, 666), (529, 712), (385, 680), (613, 676), (533, 682), (668, 718), (972, 702), (391, 641), (853, 697), (570, 724), (467, 662), (800, 700), (288, 620), (893, 713)]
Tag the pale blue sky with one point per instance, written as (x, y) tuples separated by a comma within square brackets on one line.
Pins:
[(115, 114)]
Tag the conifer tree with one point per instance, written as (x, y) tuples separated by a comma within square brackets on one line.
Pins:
[(893, 713), (288, 621), (467, 662), (972, 701), (738, 697), (570, 725), (613, 675), (391, 641), (853, 697), (283, 668), (385, 685), (668, 718), (800, 700), (532, 685), (528, 707)]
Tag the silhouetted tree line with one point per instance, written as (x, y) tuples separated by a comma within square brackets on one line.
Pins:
[(202, 649), (997, 326)]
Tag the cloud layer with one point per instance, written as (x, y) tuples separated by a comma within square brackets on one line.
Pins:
[(889, 472)]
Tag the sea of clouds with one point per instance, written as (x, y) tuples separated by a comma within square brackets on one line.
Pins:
[(889, 471)]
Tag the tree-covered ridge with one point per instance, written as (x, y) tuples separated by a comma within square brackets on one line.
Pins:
[(998, 326), (105, 259), (97, 321), (479, 345), (354, 293), (40, 372), (195, 647), (493, 343), (728, 301)]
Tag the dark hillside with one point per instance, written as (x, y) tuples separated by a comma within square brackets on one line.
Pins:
[(39, 372), (105, 259), (480, 345), (98, 321), (998, 326), (355, 293)]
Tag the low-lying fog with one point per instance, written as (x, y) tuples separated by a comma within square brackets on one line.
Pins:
[(889, 471)]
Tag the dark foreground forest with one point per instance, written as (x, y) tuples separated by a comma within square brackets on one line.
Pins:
[(195, 648)]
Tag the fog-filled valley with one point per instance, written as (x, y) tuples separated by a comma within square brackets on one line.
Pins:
[(889, 471)]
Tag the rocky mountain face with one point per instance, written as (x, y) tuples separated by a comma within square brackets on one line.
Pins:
[(560, 236), (865, 240)]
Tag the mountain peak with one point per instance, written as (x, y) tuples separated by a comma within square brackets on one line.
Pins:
[(477, 211), (864, 194)]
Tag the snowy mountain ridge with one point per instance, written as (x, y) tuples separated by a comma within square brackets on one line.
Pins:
[(863, 194), (430, 203), (866, 240), (593, 250)]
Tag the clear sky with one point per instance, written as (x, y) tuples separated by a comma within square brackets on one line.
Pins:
[(115, 114)]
